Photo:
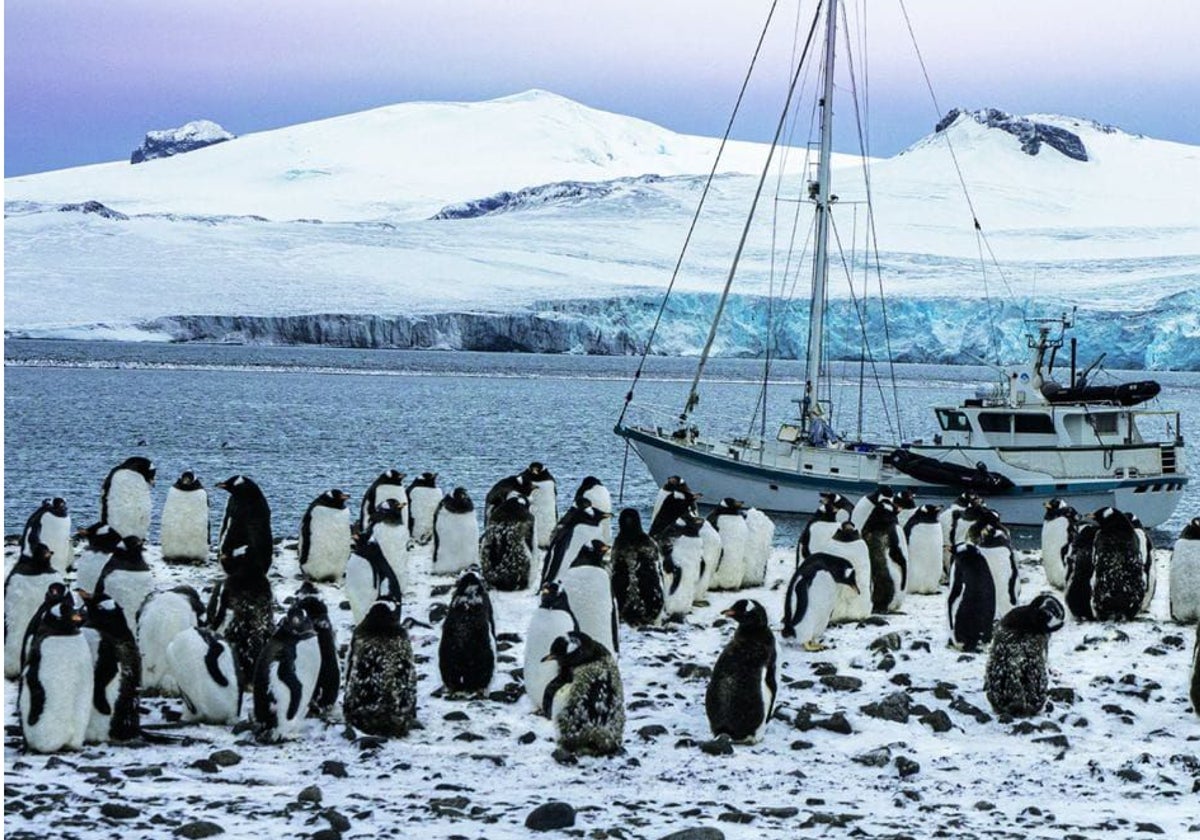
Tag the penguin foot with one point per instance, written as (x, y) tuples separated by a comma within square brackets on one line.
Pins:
[(814, 647)]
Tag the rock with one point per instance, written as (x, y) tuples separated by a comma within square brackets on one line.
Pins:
[(334, 768), (456, 715), (836, 723), (802, 745), (824, 669), (1129, 774), (937, 720), (1031, 134), (95, 208), (1054, 741), (738, 817), (837, 682), (225, 758), (895, 707), (312, 793), (717, 746), (702, 833), (118, 811), (877, 757), (176, 141), (550, 816), (205, 765), (652, 731), (337, 821), (886, 642), (693, 671), (199, 829), (962, 706), (784, 813), (527, 738), (564, 757), (906, 767)]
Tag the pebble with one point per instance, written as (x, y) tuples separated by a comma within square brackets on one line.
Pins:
[(550, 816), (312, 793), (199, 829), (117, 811)]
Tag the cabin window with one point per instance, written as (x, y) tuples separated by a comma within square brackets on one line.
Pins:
[(991, 421), (1104, 424), (953, 421), (1034, 424)]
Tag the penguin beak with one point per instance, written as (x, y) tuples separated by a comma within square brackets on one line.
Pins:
[(857, 591), (729, 613), (549, 657)]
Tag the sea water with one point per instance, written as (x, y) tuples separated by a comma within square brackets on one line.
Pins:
[(302, 420)]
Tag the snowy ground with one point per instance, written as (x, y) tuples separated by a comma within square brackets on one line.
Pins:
[(1117, 755)]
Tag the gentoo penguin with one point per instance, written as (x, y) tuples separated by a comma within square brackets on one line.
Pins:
[(577, 528), (589, 587), (970, 521), (329, 675), (1184, 576), (592, 492), (906, 506), (679, 500), (367, 575), (204, 667), (125, 497), (455, 534), (1146, 549), (467, 650), (1058, 529), (710, 559), (185, 526), (54, 593), (923, 534), (117, 673), (1195, 692), (971, 601), (1081, 578), (985, 519), (381, 677), (948, 519), (246, 524), (637, 573), (162, 616), (389, 528), (889, 557), (758, 547), (843, 507), (810, 597), (729, 519), (100, 540), (587, 699), (506, 547), (502, 489), (324, 544), (50, 525), (996, 548), (682, 549), (241, 609), (423, 500), (24, 594), (551, 619), (818, 531), (867, 503), (285, 677), (543, 503), (851, 604), (1016, 677), (741, 692), (55, 696), (1118, 567), (388, 485), (127, 579)]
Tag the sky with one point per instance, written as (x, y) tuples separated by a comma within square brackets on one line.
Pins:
[(84, 81)]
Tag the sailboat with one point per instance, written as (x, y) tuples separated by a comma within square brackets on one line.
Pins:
[(1017, 444)]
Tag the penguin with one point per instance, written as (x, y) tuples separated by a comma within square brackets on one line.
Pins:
[(117, 673), (24, 594), (161, 617), (50, 525), (1058, 528), (1118, 567), (100, 540), (589, 586), (982, 518), (241, 609), (285, 677), (1017, 678), (948, 519), (758, 547), (423, 500), (851, 604), (592, 492), (730, 522), (682, 549), (679, 500), (543, 503), (246, 524), (329, 677), (1195, 692), (185, 525), (889, 557), (818, 531), (455, 534), (324, 544), (125, 497), (204, 667), (388, 485), (587, 699), (710, 559), (127, 579), (970, 521), (923, 534), (367, 574), (810, 597), (1183, 577), (54, 702), (971, 601), (996, 548), (467, 650), (867, 503), (389, 528), (551, 619), (906, 505), (740, 698), (54, 593), (506, 547), (1081, 577), (381, 675), (577, 528), (502, 489), (843, 508), (637, 573), (1146, 550)]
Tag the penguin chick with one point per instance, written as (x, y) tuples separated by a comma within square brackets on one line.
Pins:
[(1017, 678), (587, 699)]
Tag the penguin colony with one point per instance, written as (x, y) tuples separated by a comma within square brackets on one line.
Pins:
[(83, 656)]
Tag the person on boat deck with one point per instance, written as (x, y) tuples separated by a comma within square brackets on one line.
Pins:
[(821, 433)]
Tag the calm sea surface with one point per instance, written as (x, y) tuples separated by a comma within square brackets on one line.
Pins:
[(302, 420)]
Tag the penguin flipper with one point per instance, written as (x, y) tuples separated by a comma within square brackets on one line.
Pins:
[(31, 682), (211, 659)]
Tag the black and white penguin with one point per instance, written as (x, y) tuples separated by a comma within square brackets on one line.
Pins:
[(577, 528), (741, 692), (55, 696), (389, 528), (506, 547), (54, 593), (285, 677), (246, 524), (128, 579), (818, 531), (906, 506), (682, 552), (678, 499), (637, 573), (467, 650), (381, 677), (996, 548), (543, 503), (923, 534), (1081, 578), (99, 541), (889, 556), (985, 519), (204, 667), (1183, 577), (455, 534), (729, 518), (1058, 528), (1195, 692), (591, 491), (423, 500), (1146, 549), (948, 519), (50, 525), (502, 489), (241, 609), (1118, 566), (329, 675), (810, 597), (185, 525), (1017, 677), (851, 604), (162, 616), (867, 503), (710, 559), (589, 586), (367, 575), (324, 544), (117, 673), (843, 507), (758, 547), (586, 699), (971, 601), (24, 594), (970, 521), (125, 497), (388, 485), (551, 619)]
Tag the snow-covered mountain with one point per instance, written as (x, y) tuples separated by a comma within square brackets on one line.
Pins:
[(534, 222)]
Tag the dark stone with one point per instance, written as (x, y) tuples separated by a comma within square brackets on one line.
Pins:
[(802, 745), (312, 793), (1054, 741), (564, 757), (550, 816), (337, 821), (895, 707), (1129, 774), (877, 757), (527, 738), (703, 833), (1030, 134), (738, 817), (886, 642), (836, 723), (334, 768), (176, 141), (906, 767), (205, 765), (326, 834), (456, 715), (437, 612), (784, 813), (468, 736), (654, 730), (824, 669), (117, 811), (693, 671), (1149, 828), (225, 758), (717, 746), (837, 682), (984, 805), (199, 829), (963, 707), (886, 663), (93, 207), (1062, 695), (937, 720)]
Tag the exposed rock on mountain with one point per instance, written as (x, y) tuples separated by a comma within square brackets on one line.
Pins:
[(175, 141)]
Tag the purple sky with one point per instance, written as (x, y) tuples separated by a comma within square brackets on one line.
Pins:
[(84, 81)]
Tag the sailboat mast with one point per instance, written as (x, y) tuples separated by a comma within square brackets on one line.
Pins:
[(820, 193)]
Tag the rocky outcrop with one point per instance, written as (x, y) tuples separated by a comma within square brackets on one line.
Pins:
[(176, 141), (1031, 134), (93, 207)]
